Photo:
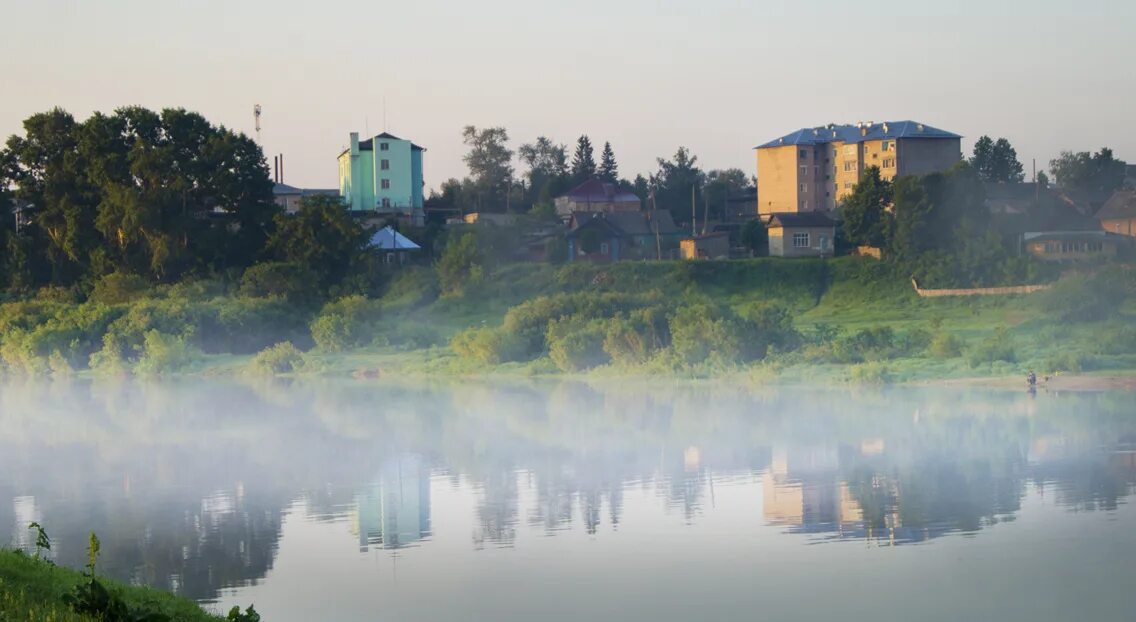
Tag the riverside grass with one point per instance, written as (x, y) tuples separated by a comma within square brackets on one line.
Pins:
[(32, 590), (409, 329)]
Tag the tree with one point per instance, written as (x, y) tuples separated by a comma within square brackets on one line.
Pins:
[(996, 161), (722, 185), (583, 161), (321, 237), (609, 170), (755, 237), (677, 182), (489, 161), (866, 219), (548, 167), (1042, 179), (1097, 172)]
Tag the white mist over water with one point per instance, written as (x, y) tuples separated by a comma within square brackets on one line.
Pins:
[(521, 501)]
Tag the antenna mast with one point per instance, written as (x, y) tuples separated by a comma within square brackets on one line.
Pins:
[(256, 116)]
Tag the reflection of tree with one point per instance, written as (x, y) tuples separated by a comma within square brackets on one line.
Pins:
[(497, 508)]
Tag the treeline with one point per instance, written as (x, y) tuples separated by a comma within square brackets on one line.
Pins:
[(494, 184), (162, 196)]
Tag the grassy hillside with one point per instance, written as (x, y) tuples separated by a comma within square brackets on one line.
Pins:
[(841, 319), (33, 590)]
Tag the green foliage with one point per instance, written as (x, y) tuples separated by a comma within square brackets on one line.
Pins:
[(996, 161), (490, 169), (281, 358), (487, 346), (870, 373), (290, 281), (575, 344), (460, 264), (676, 183), (633, 339), (322, 237), (42, 543), (706, 333), (608, 170), (867, 221), (164, 353), (249, 615), (118, 288), (583, 161), (755, 237), (1091, 172), (998, 347), (945, 346), (1089, 297), (346, 323)]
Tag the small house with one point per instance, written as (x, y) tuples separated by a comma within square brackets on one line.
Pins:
[(800, 234), (596, 195), (1119, 213), (615, 236), (1074, 245), (706, 246), (395, 248)]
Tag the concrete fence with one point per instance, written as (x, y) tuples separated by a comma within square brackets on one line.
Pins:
[(978, 291)]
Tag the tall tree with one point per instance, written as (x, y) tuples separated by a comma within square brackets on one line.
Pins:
[(322, 237), (677, 182), (1092, 172), (996, 161), (609, 170), (490, 165), (548, 167), (583, 161), (865, 211), (721, 186)]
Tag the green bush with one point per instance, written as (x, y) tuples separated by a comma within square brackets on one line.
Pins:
[(634, 339), (1088, 298), (575, 345), (117, 288), (290, 281), (487, 346), (705, 333), (870, 373), (346, 323), (945, 346), (281, 358), (164, 353), (868, 344), (999, 347), (774, 322), (913, 342)]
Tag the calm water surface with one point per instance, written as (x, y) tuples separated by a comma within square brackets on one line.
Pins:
[(475, 501)]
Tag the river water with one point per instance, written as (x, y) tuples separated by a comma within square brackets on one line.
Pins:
[(570, 501)]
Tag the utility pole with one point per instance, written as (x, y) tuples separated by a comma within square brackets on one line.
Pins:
[(693, 213), (256, 116), (655, 220)]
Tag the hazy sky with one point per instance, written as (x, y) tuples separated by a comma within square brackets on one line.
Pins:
[(717, 76)]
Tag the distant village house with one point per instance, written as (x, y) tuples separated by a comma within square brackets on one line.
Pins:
[(617, 236), (800, 234), (596, 195)]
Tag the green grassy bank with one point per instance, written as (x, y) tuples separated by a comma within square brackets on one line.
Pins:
[(848, 319), (34, 590)]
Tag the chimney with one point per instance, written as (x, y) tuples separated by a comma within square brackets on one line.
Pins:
[(354, 143), (885, 127), (282, 168), (276, 169)]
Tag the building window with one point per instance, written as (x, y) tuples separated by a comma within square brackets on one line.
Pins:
[(386, 184), (889, 162), (816, 171), (886, 145), (386, 202), (604, 248), (800, 240), (384, 146), (804, 154), (804, 171), (385, 165), (849, 167), (803, 188)]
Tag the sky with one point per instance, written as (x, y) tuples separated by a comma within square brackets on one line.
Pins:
[(716, 76)]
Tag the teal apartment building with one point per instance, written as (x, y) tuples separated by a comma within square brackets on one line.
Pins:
[(383, 174)]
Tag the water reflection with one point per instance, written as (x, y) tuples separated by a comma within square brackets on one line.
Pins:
[(188, 489)]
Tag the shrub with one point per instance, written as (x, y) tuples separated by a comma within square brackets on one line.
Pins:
[(870, 373), (707, 333), (575, 346), (346, 323), (775, 323), (117, 288), (290, 281), (913, 342), (945, 346), (1088, 298), (634, 339), (1073, 362), (487, 346), (163, 353), (999, 347), (281, 358), (865, 345), (460, 264)]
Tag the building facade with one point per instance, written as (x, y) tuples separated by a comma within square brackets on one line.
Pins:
[(383, 174), (814, 169), (801, 234), (596, 195), (1119, 213)]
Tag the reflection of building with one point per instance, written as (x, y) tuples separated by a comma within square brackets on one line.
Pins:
[(802, 489), (395, 511)]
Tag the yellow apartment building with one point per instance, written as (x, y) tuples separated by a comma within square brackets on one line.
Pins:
[(813, 169)]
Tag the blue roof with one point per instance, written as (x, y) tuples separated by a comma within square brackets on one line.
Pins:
[(853, 134)]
